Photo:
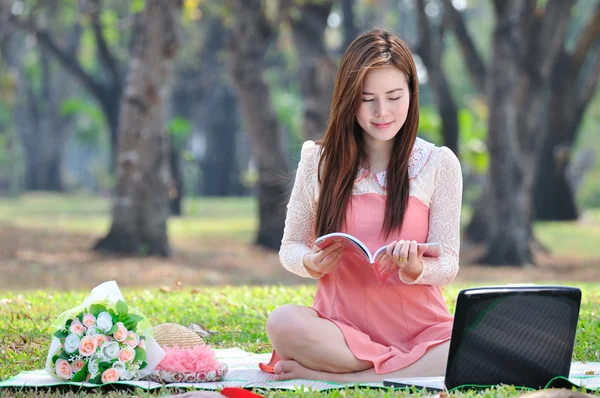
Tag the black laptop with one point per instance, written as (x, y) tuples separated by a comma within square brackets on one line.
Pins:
[(519, 335)]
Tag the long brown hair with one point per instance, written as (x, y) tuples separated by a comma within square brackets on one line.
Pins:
[(342, 145)]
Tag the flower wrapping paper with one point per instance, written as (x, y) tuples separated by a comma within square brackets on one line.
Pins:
[(102, 340)]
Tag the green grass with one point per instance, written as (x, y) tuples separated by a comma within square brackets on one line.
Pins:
[(238, 314), (203, 217), (235, 218), (577, 239)]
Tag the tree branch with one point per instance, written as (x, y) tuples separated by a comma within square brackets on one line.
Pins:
[(473, 60), (589, 83), (68, 61), (550, 38), (105, 54), (588, 36), (424, 47)]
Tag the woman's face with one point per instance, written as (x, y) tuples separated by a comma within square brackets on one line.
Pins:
[(384, 106)]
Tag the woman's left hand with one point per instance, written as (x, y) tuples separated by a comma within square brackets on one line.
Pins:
[(407, 256)]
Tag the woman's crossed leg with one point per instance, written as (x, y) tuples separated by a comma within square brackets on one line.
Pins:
[(314, 348)]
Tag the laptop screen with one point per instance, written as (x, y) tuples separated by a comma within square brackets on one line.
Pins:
[(513, 335)]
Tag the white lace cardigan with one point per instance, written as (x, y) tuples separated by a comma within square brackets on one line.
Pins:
[(435, 180)]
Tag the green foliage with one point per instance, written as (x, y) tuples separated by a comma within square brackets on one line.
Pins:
[(137, 6), (288, 105), (110, 26), (4, 152), (430, 124), (87, 52), (472, 124), (191, 10), (122, 308), (140, 354), (81, 375), (88, 119), (180, 130)]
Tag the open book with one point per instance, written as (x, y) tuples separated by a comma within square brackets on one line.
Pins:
[(383, 266)]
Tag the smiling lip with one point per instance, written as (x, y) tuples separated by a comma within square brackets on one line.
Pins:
[(382, 125)]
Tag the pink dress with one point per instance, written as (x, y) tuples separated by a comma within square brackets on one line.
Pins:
[(391, 326)]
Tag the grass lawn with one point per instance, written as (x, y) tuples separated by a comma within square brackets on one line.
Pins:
[(235, 218), (237, 313)]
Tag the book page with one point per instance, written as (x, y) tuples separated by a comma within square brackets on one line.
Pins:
[(354, 247)]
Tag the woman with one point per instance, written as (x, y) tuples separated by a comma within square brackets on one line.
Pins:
[(373, 178)]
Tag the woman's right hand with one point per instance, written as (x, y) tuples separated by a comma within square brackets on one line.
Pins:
[(324, 260)]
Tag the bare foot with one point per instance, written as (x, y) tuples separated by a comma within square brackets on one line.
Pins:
[(290, 369)]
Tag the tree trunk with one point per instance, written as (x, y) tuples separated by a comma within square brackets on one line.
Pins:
[(518, 121), (569, 96), (141, 202), (250, 39), (41, 127), (110, 102), (107, 89), (508, 210), (176, 186), (350, 29), (221, 121), (554, 197), (430, 49), (219, 165), (317, 69)]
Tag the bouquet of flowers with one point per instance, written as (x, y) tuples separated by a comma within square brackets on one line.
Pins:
[(103, 340)]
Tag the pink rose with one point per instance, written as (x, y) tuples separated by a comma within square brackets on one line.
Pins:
[(100, 339), (89, 320), (87, 346), (63, 369), (77, 365), (127, 355), (77, 327), (121, 333), (110, 375), (132, 339)]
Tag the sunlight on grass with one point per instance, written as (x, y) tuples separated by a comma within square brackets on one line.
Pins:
[(578, 238), (203, 217), (236, 218)]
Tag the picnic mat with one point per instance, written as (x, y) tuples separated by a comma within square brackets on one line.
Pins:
[(244, 372)]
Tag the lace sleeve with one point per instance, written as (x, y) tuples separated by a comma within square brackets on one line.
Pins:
[(444, 222), (298, 235)]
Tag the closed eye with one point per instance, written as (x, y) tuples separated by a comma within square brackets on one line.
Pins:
[(394, 99), (367, 100)]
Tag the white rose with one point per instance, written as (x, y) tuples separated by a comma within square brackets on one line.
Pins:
[(110, 350), (92, 332), (104, 322), (72, 343), (123, 372), (93, 364)]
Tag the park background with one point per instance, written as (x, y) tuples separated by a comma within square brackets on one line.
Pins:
[(155, 143)]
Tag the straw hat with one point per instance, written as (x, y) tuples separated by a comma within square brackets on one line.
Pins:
[(170, 334)]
